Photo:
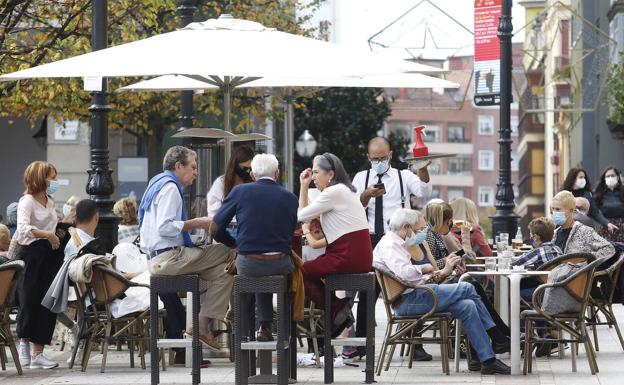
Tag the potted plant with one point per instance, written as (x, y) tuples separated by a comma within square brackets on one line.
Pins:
[(614, 95)]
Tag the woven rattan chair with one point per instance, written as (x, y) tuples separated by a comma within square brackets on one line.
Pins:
[(601, 300), (107, 285), (578, 286), (409, 329), (9, 273)]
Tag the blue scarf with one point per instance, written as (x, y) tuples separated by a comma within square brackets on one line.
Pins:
[(153, 188)]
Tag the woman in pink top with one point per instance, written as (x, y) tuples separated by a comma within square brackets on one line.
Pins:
[(345, 227), (42, 252)]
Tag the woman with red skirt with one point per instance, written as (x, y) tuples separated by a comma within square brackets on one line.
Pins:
[(345, 227)]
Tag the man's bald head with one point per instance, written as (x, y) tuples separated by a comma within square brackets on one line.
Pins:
[(379, 148)]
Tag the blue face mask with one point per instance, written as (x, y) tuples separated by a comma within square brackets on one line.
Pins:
[(380, 167), (559, 218), (53, 187), (66, 209), (416, 239)]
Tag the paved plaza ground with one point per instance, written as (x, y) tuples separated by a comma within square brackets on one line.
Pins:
[(553, 371)]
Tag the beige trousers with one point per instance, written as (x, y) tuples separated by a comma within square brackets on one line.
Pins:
[(207, 261)]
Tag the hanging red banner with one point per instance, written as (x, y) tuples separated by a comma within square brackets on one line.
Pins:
[(486, 75)]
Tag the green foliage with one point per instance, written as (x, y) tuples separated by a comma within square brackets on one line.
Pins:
[(614, 91), (34, 32), (342, 120), (400, 146)]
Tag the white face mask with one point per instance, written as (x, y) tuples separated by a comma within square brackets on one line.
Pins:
[(380, 167), (611, 181), (580, 183)]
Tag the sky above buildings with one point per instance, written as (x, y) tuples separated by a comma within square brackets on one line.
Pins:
[(429, 28)]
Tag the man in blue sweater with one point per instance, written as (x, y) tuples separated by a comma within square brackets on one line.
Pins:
[(266, 214)]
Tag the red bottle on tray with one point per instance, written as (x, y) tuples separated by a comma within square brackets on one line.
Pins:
[(419, 147)]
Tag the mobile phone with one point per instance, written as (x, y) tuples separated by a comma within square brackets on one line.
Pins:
[(380, 185), (460, 253)]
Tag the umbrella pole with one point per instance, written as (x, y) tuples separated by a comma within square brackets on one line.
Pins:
[(227, 112), (290, 145)]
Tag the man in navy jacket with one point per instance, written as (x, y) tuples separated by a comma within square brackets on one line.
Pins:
[(266, 217)]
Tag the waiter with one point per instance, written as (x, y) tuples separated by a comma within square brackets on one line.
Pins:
[(384, 189)]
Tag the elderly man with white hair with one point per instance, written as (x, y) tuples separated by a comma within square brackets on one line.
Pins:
[(408, 228), (267, 216)]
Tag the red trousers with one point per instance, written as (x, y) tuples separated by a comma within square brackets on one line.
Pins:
[(352, 253)]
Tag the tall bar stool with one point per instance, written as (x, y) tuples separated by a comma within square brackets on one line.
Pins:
[(352, 282), (174, 284), (244, 333)]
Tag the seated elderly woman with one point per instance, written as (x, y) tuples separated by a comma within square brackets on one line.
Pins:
[(344, 224), (407, 227), (574, 237)]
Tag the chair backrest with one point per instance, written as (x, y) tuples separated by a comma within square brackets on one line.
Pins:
[(107, 284), (9, 272), (574, 258), (580, 283), (384, 282)]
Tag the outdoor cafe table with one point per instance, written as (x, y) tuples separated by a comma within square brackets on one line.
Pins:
[(514, 276)]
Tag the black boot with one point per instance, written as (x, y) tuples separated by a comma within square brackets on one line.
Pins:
[(420, 354), (494, 366)]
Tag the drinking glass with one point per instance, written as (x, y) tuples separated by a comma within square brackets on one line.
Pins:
[(490, 264), (504, 260)]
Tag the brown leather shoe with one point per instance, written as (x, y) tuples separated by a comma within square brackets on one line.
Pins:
[(207, 340)]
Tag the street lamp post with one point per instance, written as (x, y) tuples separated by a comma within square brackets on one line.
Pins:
[(100, 184), (504, 219), (306, 145), (186, 10)]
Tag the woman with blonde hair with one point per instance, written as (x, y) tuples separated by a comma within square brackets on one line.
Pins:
[(128, 211), (42, 252), (69, 210), (465, 210)]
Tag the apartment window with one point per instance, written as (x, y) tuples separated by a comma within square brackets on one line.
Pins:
[(433, 134), (515, 162), (486, 160), (486, 125), (460, 165), (455, 193), (486, 196), (514, 125), (456, 134)]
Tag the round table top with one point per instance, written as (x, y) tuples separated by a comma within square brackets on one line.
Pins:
[(509, 272)]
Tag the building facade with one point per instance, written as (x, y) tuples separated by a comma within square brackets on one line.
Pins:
[(455, 125)]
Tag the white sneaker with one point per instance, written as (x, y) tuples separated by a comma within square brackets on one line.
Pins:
[(42, 362), (24, 353)]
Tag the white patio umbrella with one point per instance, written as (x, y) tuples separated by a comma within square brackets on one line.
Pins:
[(397, 80), (227, 52)]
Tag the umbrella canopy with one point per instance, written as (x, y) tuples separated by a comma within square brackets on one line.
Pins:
[(224, 47), (400, 80)]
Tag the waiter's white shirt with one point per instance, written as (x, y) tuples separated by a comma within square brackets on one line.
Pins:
[(339, 209), (214, 198), (162, 224), (392, 198)]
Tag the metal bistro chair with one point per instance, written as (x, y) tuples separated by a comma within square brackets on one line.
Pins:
[(107, 285), (409, 329), (9, 273), (601, 300), (578, 285)]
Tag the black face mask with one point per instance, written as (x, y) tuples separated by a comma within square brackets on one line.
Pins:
[(243, 173)]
